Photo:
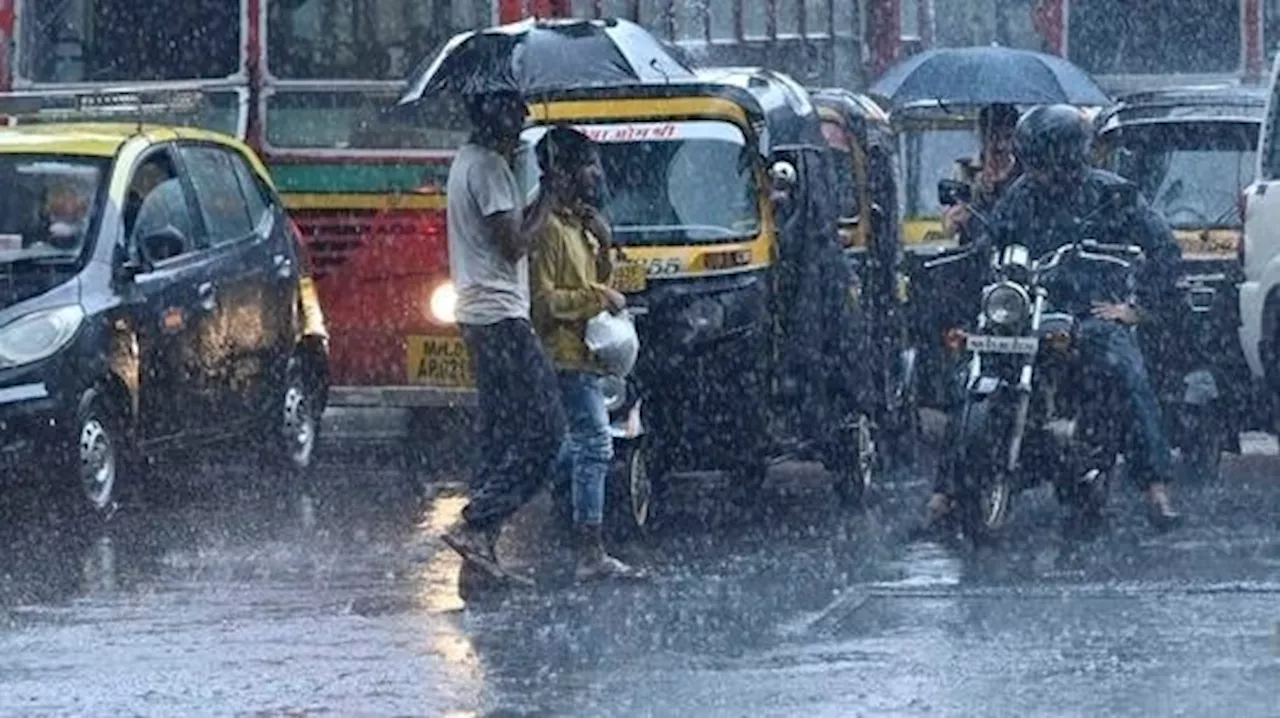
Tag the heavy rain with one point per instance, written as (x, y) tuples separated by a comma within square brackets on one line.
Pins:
[(495, 358)]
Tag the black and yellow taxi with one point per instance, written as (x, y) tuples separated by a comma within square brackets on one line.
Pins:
[(151, 297)]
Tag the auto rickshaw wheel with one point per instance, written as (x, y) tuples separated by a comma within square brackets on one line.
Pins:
[(631, 490), (859, 464), (901, 444)]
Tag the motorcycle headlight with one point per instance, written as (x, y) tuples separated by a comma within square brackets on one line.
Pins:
[(38, 335), (1006, 305), (443, 304)]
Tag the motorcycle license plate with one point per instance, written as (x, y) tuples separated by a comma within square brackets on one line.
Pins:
[(1002, 345)]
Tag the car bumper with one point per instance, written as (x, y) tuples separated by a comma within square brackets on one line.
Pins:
[(30, 418), (407, 397)]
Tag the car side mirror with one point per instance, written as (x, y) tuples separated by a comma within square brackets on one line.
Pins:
[(129, 269), (953, 192), (161, 244)]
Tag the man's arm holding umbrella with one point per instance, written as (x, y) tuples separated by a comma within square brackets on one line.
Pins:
[(513, 227)]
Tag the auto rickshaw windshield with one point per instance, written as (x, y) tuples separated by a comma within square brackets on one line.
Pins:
[(1192, 173), (672, 182), (930, 156)]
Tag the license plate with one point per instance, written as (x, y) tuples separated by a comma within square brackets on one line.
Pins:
[(1002, 345), (439, 361), (629, 278)]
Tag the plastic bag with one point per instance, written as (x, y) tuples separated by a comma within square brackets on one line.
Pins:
[(612, 340)]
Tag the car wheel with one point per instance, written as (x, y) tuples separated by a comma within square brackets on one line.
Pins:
[(100, 443), (299, 420)]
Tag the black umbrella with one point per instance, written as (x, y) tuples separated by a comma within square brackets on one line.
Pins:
[(540, 55), (988, 75)]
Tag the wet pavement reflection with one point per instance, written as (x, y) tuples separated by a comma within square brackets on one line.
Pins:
[(242, 598)]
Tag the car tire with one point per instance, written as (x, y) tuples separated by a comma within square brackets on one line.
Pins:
[(295, 425), (100, 460)]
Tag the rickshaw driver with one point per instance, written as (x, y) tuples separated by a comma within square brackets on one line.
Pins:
[(1042, 209)]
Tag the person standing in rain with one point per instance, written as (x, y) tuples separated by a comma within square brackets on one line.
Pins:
[(491, 233), (571, 264), (995, 169)]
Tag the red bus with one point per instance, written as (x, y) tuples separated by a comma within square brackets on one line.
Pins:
[(311, 85)]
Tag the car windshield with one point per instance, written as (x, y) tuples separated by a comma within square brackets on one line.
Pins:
[(1192, 173), (47, 206), (931, 156), (672, 182)]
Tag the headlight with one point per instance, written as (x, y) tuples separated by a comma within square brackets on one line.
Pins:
[(1006, 304), (444, 304), (38, 335)]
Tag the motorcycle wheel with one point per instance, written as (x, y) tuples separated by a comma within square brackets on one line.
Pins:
[(985, 493)]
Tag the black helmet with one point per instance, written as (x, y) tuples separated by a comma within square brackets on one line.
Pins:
[(1055, 138)]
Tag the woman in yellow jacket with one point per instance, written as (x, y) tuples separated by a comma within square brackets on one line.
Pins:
[(570, 265)]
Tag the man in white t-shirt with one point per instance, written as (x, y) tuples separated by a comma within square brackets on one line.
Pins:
[(521, 421)]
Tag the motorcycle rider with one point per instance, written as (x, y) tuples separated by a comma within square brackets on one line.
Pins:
[(1043, 211)]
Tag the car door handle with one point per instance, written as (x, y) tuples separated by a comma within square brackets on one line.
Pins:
[(208, 296), (284, 265)]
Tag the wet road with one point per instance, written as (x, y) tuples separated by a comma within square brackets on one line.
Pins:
[(240, 600)]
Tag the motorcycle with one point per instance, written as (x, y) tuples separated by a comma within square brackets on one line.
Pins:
[(1032, 411)]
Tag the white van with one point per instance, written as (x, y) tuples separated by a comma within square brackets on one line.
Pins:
[(1260, 257)]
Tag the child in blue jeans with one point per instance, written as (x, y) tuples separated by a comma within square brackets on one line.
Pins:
[(570, 265)]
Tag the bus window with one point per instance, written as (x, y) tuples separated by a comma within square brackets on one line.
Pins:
[(360, 40), (127, 40), (328, 120)]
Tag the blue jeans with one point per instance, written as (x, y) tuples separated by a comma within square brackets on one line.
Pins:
[(1114, 349), (586, 454)]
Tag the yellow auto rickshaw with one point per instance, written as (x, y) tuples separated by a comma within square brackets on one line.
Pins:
[(863, 147), (718, 192), (1192, 152)]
